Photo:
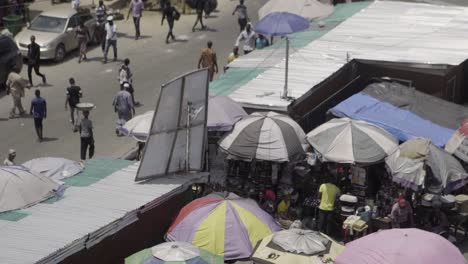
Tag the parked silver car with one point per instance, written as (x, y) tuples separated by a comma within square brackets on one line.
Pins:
[(55, 32)]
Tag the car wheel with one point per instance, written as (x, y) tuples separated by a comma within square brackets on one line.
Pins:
[(60, 53)]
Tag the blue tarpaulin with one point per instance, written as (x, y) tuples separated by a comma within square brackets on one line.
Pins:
[(403, 124)]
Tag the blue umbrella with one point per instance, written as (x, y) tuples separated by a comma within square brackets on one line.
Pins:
[(281, 24)]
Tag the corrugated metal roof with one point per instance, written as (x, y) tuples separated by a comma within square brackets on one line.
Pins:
[(385, 31), (84, 217)]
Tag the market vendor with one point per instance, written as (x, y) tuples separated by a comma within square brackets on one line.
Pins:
[(438, 220), (328, 192), (402, 214)]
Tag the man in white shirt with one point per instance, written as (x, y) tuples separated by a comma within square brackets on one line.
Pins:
[(248, 36), (9, 161), (111, 38)]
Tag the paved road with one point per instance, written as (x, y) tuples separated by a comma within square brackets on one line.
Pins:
[(153, 63)]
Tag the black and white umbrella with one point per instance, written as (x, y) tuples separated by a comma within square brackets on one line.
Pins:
[(346, 140), (265, 136)]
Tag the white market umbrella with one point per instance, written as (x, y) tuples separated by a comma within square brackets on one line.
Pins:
[(139, 126), (223, 113), (21, 188), (345, 140), (300, 241), (54, 168), (265, 136), (309, 9), (175, 251), (407, 165)]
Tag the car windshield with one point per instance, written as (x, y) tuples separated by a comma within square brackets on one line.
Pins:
[(48, 24)]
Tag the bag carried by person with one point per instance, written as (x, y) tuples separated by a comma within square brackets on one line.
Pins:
[(176, 14)]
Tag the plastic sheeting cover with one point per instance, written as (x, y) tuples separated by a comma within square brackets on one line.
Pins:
[(403, 124)]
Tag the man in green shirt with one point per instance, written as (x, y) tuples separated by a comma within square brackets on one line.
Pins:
[(327, 195)]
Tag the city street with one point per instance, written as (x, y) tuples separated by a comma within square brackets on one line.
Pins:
[(152, 62)]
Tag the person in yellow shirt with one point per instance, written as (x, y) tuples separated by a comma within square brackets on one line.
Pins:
[(328, 192), (283, 206)]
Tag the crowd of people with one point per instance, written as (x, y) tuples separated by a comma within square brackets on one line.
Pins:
[(105, 34)]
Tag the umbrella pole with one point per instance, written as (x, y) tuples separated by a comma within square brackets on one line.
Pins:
[(286, 70), (187, 147)]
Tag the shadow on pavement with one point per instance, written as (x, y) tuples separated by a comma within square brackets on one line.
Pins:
[(49, 139)]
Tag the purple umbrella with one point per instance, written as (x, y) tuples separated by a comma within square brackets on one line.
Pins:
[(399, 246), (282, 24)]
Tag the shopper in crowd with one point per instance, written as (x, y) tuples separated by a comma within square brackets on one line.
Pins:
[(328, 193), (34, 56), (241, 11), (100, 31), (402, 214), (125, 74), (136, 9), (86, 136), (83, 36), (208, 60), (111, 38), (126, 77), (73, 98), (248, 36), (10, 160), (261, 42), (170, 14), (123, 106), (15, 87), (39, 112), (199, 5), (283, 205), (267, 201)]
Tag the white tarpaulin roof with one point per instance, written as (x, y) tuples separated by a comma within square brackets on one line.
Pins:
[(387, 31), (309, 9)]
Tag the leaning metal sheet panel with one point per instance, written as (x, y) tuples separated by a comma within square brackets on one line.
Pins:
[(166, 146)]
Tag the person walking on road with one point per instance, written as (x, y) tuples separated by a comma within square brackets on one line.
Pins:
[(86, 136), (34, 55), (123, 106), (39, 112), (111, 38), (126, 78), (170, 14), (199, 5), (100, 32), (15, 86), (125, 74), (10, 160), (136, 8), (83, 36), (208, 60), (248, 36), (243, 18), (73, 98)]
